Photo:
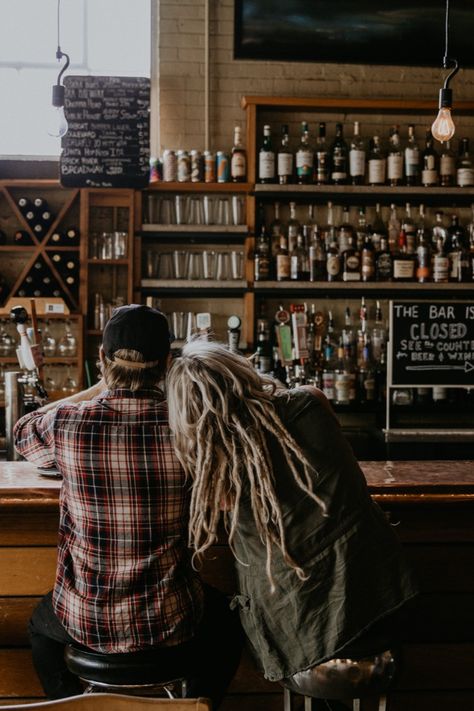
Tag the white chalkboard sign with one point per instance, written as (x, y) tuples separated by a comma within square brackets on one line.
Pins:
[(431, 344), (108, 141)]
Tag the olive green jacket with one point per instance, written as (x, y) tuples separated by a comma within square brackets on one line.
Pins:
[(355, 567)]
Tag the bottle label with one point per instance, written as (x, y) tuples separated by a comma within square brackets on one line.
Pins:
[(238, 165), (283, 266), (266, 165), (294, 267), (384, 266), (395, 166), (403, 268), (429, 176), (455, 264), (304, 163), (367, 265), (333, 264), (465, 177), (328, 384), (377, 169), (321, 166), (356, 162), (262, 268), (447, 165), (285, 164), (339, 166), (412, 162), (440, 269)]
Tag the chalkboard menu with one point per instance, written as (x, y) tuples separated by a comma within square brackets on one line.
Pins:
[(107, 144), (431, 343)]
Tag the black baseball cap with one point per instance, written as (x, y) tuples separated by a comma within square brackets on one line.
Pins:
[(139, 328)]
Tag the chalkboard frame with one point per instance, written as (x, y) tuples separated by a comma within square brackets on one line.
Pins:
[(465, 377), (108, 142)]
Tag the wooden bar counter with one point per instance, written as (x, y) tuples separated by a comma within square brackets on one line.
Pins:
[(431, 504)]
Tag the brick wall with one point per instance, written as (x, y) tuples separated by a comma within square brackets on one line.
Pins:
[(179, 57)]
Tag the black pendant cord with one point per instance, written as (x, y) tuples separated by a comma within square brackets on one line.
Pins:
[(59, 53), (447, 60)]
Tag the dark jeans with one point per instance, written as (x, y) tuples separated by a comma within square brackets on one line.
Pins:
[(213, 654)]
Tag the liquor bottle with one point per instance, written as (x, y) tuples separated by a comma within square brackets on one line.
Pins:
[(440, 263), (347, 334), (366, 376), (361, 230), (447, 166), (262, 257), (328, 232), (368, 260), (333, 261), (284, 159), (293, 227), (351, 270), (439, 229), (276, 228), (345, 232), (266, 158), (238, 161), (470, 275), (233, 333), (429, 161), (357, 157), (395, 159), (383, 262), (378, 229), (339, 158), (263, 360), (423, 254), (344, 379), (321, 159), (377, 163), (378, 335), (283, 271), (394, 227), (310, 225), (412, 158), (465, 167), (317, 260), (299, 261), (409, 228), (403, 263), (380, 376), (456, 251), (304, 158), (329, 367)]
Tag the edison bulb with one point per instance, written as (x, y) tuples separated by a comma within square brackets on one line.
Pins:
[(57, 122), (443, 127)]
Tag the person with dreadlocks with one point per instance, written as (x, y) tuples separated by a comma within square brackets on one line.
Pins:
[(319, 568)]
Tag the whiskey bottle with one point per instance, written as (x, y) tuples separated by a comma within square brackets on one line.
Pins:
[(395, 159), (351, 270), (317, 260), (447, 166), (465, 168), (344, 379), (345, 232), (440, 263), (378, 335), (361, 230), (377, 163), (266, 158), (357, 157), (321, 158), (284, 159), (394, 227), (299, 261), (368, 260), (383, 262), (423, 255), (283, 271), (262, 257), (403, 263), (304, 158), (293, 227), (429, 161), (238, 161), (333, 262)]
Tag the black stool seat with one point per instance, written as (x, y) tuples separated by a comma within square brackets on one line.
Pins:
[(148, 667), (345, 678)]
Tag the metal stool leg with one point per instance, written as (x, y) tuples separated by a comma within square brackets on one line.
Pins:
[(308, 703), (287, 701), (355, 704), (383, 703)]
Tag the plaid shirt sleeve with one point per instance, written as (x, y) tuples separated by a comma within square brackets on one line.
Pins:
[(34, 437)]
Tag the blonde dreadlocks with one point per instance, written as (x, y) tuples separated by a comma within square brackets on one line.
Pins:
[(220, 410)]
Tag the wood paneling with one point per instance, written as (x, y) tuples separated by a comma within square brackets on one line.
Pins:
[(15, 613), (27, 571)]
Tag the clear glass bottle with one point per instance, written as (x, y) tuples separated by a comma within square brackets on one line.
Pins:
[(339, 158), (383, 262), (304, 158), (394, 227), (299, 261), (276, 228), (409, 229), (412, 158), (423, 254), (377, 163), (447, 166), (379, 228), (361, 230), (439, 229), (351, 270), (266, 158), (333, 261), (429, 161), (321, 159), (465, 166), (440, 263), (378, 335), (357, 157), (293, 227), (395, 158), (368, 260), (262, 257), (285, 158), (345, 232), (48, 341)]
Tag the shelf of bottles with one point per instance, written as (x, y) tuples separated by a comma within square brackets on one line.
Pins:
[(340, 347), (308, 246)]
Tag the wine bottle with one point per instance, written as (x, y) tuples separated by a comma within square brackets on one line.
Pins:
[(266, 158), (25, 205), (412, 158), (429, 160), (395, 159), (284, 158), (377, 163), (71, 236), (22, 237), (357, 157), (238, 161), (465, 168), (321, 160), (339, 158), (304, 158), (447, 166)]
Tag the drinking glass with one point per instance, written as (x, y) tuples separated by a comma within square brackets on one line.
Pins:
[(179, 264), (223, 266), (69, 384), (195, 211), (194, 270), (48, 342), (167, 212), (208, 264), (164, 266), (152, 209), (223, 212), (119, 240), (208, 210), (237, 210), (180, 209), (236, 264), (7, 343), (67, 345)]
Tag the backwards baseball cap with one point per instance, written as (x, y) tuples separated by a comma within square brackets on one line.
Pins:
[(139, 328)]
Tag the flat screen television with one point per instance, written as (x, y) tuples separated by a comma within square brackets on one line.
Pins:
[(401, 32)]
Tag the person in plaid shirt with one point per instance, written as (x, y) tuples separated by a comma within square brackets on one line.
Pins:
[(124, 579)]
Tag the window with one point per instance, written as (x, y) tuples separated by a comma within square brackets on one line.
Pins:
[(102, 37)]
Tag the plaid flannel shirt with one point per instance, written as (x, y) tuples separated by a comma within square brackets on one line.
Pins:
[(124, 580)]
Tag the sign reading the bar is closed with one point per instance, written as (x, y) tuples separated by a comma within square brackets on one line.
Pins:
[(432, 343), (107, 144)]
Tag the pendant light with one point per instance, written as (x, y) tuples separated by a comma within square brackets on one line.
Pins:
[(443, 127), (58, 123)]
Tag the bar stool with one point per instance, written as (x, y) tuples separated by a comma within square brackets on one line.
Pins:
[(144, 673), (342, 679)]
